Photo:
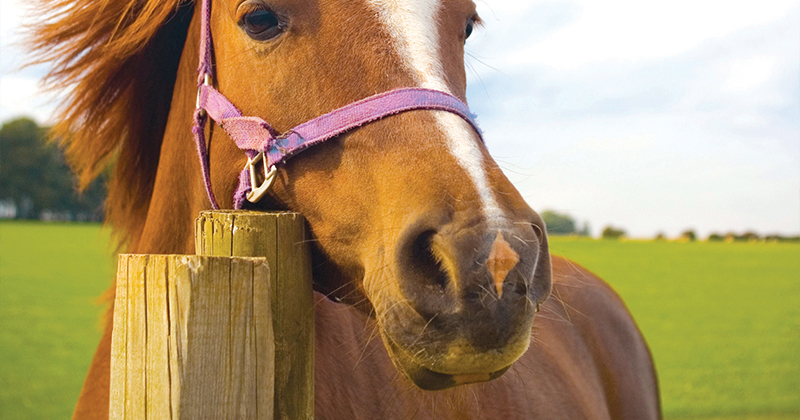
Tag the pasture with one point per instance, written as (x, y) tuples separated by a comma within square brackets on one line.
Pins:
[(722, 320), (51, 278)]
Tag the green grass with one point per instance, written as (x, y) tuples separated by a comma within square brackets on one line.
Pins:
[(722, 320), (51, 276)]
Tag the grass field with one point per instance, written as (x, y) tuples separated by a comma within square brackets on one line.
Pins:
[(722, 320), (51, 276)]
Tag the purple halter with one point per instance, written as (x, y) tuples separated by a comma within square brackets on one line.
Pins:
[(262, 144)]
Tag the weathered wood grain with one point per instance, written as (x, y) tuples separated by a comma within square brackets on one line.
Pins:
[(157, 354), (282, 239), (135, 395), (119, 343), (226, 334), (186, 346)]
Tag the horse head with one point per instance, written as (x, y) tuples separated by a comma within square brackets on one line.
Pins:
[(412, 219)]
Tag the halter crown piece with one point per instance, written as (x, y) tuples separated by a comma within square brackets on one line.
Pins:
[(263, 145)]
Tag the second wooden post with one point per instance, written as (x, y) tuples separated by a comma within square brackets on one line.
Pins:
[(282, 239)]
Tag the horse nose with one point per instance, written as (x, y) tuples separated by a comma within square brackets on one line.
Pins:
[(471, 268), (502, 259)]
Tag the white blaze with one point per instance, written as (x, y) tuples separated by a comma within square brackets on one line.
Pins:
[(412, 26)]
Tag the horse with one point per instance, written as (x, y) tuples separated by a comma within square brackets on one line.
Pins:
[(429, 267)]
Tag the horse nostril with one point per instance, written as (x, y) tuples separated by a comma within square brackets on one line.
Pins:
[(425, 261), (538, 231)]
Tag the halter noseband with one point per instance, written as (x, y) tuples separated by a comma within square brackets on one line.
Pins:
[(262, 144)]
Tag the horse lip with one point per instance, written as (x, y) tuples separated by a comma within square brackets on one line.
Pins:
[(430, 380)]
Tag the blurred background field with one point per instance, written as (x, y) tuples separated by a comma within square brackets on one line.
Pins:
[(51, 278), (722, 319)]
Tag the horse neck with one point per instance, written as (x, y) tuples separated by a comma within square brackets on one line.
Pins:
[(178, 194)]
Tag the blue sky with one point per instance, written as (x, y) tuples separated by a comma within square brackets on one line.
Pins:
[(650, 116)]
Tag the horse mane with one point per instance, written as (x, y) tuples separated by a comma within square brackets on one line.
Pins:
[(117, 60)]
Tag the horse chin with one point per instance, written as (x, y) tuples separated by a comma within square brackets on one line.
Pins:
[(428, 379)]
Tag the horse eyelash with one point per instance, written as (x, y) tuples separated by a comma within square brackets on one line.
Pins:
[(477, 21)]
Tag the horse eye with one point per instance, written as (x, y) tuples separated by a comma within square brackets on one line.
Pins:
[(470, 28), (261, 25)]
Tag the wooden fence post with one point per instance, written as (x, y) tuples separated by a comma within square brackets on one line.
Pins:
[(283, 240), (220, 335)]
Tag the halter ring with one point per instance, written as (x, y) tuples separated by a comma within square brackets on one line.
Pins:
[(256, 193)]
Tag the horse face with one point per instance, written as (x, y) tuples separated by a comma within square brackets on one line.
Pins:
[(413, 220)]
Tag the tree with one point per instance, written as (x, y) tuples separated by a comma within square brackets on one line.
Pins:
[(612, 233), (689, 235), (20, 157), (715, 237), (750, 236), (585, 230), (558, 223), (34, 175)]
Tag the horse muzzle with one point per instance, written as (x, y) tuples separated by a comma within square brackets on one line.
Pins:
[(465, 299)]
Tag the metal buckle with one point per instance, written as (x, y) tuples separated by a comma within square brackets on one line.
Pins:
[(207, 82), (255, 194)]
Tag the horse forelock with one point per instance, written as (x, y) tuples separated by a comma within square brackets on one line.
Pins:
[(116, 62)]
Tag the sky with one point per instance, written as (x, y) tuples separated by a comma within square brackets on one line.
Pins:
[(654, 117)]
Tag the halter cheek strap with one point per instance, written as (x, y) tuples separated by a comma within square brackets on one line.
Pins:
[(262, 144)]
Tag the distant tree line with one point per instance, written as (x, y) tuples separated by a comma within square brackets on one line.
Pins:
[(562, 224), (690, 235), (750, 236), (35, 182)]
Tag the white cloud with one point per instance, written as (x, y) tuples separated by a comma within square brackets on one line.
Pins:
[(644, 116), (20, 93), (11, 14), (749, 72), (21, 96), (623, 30)]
